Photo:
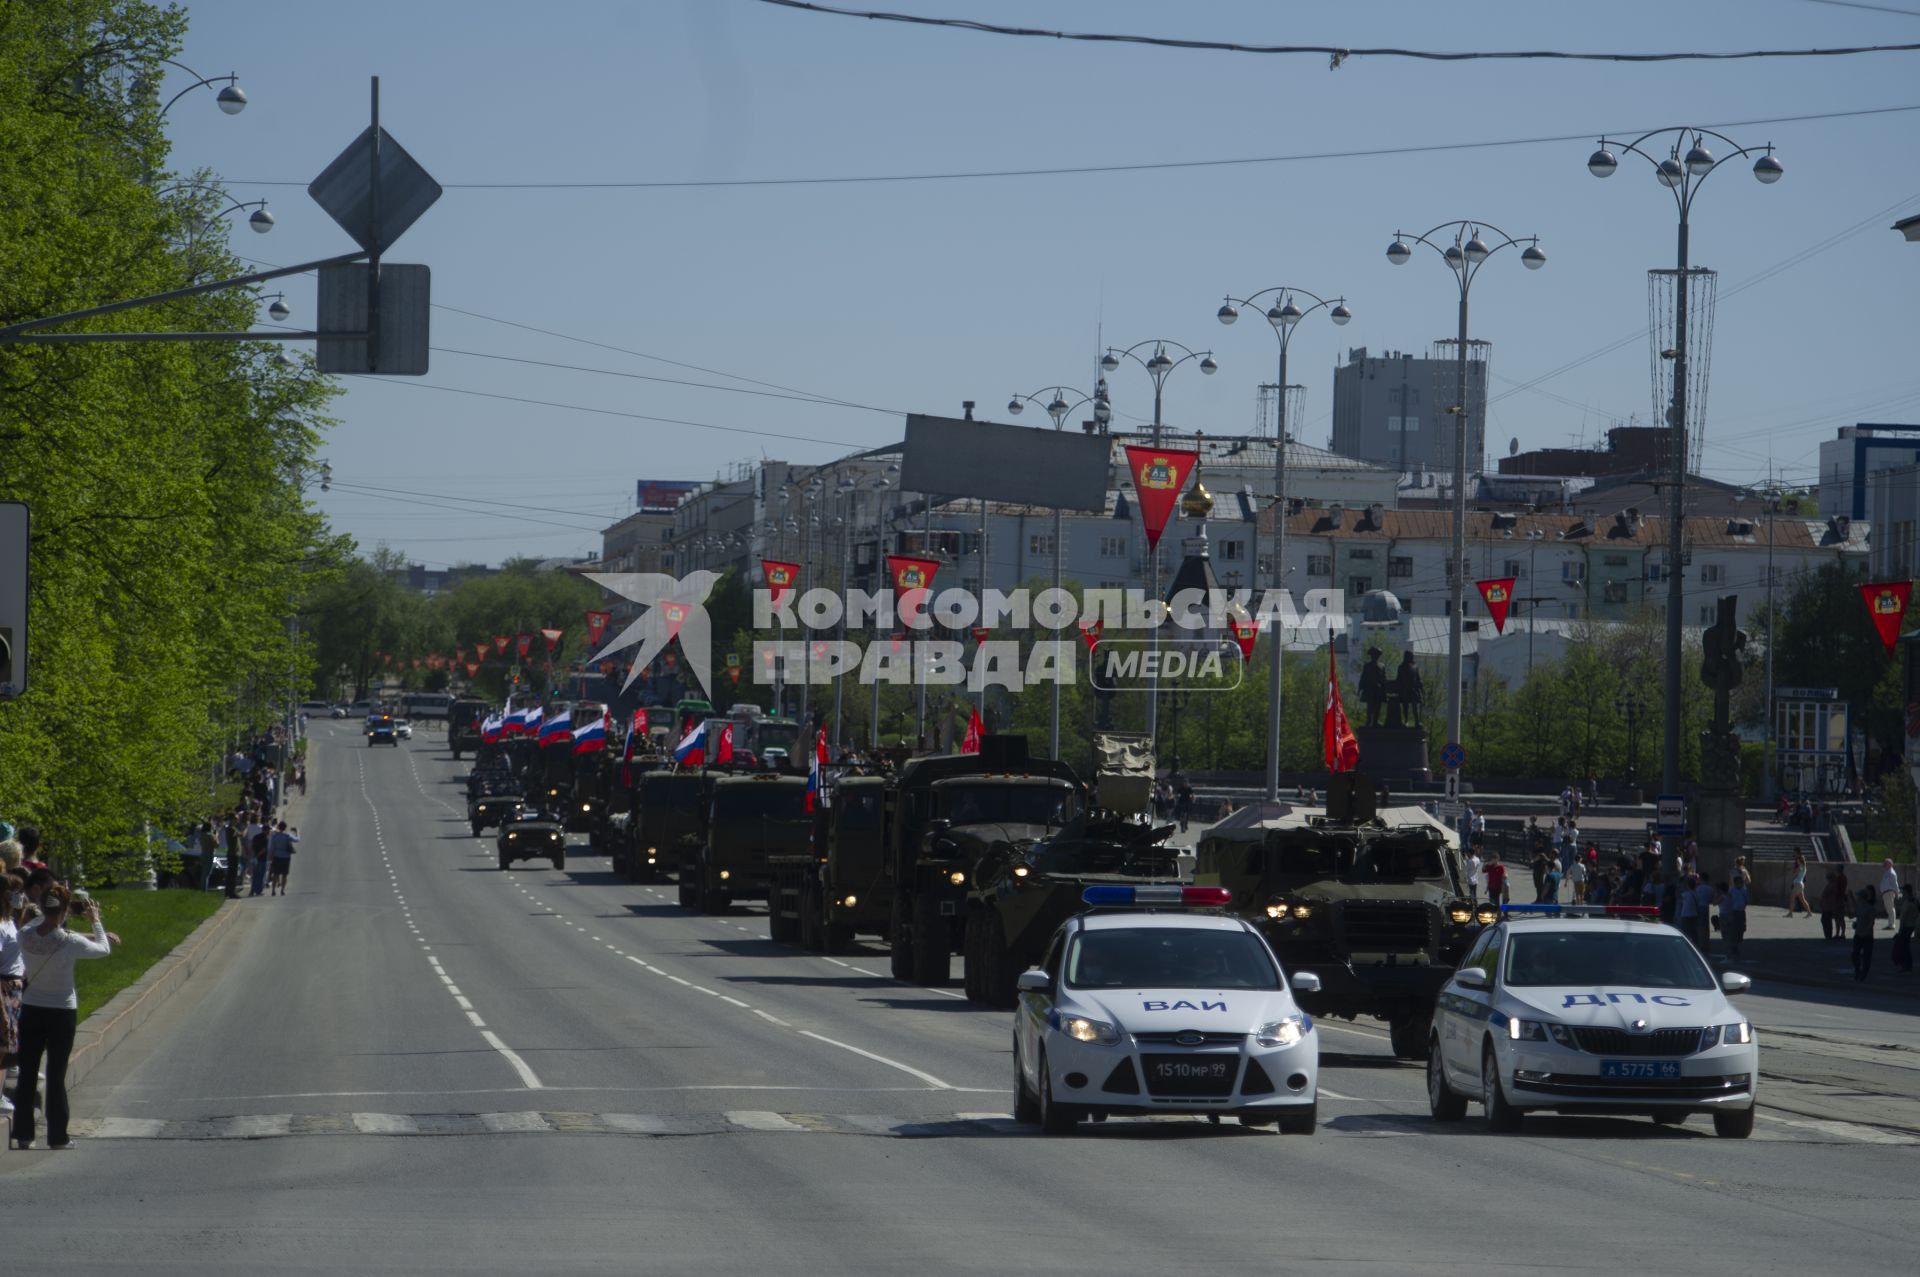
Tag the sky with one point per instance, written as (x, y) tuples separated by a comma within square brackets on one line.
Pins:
[(587, 335)]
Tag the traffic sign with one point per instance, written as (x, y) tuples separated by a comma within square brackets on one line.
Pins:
[(345, 190), (1670, 815), (1453, 756), (14, 535), (345, 297), (1452, 791), (1451, 811)]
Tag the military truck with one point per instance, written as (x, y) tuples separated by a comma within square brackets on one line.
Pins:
[(837, 889), (532, 833), (463, 724), (750, 818), (1373, 902), (948, 812)]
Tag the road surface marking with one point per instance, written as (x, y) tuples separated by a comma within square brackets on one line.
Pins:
[(736, 1002), (478, 1023), (252, 1126), (1844, 1130), (464, 1004), (756, 1120), (385, 1124), (926, 1077), (633, 1123), (527, 1075), (127, 1128), (501, 1123), (771, 1019)]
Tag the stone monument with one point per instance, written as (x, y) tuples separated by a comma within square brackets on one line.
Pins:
[(1720, 809)]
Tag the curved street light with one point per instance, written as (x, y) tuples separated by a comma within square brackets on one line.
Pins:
[(1058, 408), (1159, 366), (231, 99), (1464, 254), (1682, 173), (1284, 315)]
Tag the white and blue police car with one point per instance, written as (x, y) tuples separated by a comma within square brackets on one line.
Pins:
[(1149, 1004), (1573, 1009)]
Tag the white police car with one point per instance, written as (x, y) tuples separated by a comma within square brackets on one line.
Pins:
[(1591, 1010), (1134, 1012)]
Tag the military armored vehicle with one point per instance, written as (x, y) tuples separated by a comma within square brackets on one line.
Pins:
[(1373, 902), (463, 724), (751, 818), (837, 889), (533, 833)]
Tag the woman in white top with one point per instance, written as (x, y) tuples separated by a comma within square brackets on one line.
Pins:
[(48, 1013), (13, 971)]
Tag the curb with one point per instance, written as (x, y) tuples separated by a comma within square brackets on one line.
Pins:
[(104, 1030)]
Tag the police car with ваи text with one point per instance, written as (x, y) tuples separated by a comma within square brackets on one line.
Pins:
[(1591, 1010), (1134, 1012)]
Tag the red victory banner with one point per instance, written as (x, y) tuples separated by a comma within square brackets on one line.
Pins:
[(1887, 605), (819, 651), (1498, 592), (1090, 633), (473, 669), (676, 614), (979, 633), (524, 644), (500, 642), (416, 662), (553, 639), (1336, 734), (733, 672), (596, 626), (780, 578), (908, 575), (479, 651), (766, 659), (1245, 632), (1158, 476)]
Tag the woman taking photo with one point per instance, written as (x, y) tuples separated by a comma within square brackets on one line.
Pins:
[(48, 1014)]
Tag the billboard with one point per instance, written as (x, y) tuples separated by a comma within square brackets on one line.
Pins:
[(662, 494), (949, 457)]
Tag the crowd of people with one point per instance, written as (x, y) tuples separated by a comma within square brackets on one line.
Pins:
[(39, 1013)]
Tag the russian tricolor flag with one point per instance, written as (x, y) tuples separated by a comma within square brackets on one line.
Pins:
[(557, 729), (490, 728), (692, 749), (530, 721), (591, 737), (817, 772)]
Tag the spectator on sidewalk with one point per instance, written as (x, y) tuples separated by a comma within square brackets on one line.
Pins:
[(13, 973), (1689, 920), (1473, 876), (48, 1014), (1577, 876), (1496, 882), (1889, 888), (1866, 912), (1550, 885), (1903, 933), (257, 843), (1834, 906), (1797, 886), (280, 851), (1733, 912)]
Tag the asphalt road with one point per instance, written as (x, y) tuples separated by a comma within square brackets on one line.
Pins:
[(416, 1063)]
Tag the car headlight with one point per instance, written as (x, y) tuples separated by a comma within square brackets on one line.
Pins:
[(1082, 1029), (1460, 914), (725, 874), (1739, 1033), (1281, 1032), (1487, 916), (1303, 911), (850, 902), (586, 806), (956, 877), (512, 837), (1021, 871), (1539, 1031)]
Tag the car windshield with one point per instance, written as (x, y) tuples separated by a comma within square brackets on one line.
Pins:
[(987, 803), (857, 808), (1169, 958), (1375, 860), (1653, 960)]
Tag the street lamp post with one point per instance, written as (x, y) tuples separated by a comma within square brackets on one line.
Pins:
[(1058, 408), (1159, 366), (1283, 315), (1682, 174), (232, 99), (1628, 705), (1464, 256)]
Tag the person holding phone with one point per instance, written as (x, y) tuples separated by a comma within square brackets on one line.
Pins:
[(49, 1010)]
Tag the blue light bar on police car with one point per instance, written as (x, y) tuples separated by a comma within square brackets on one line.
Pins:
[(1584, 911), (1190, 897)]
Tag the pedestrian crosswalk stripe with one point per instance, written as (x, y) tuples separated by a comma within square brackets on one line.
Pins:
[(253, 1126), (128, 1128), (385, 1124), (754, 1120), (519, 1121)]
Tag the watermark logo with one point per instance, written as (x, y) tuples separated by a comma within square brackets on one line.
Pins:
[(675, 608)]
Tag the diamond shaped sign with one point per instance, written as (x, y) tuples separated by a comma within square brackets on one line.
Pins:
[(345, 191)]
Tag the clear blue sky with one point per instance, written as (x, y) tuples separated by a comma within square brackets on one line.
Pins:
[(914, 296)]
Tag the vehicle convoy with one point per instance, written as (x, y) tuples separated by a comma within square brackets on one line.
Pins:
[(1145, 1012), (948, 813), (838, 888), (493, 797), (1020, 887), (464, 716), (751, 819), (668, 822), (533, 833), (1577, 1009), (1372, 902)]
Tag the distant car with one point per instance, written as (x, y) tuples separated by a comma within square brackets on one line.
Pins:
[(1591, 1010), (360, 707), (338, 711), (314, 707), (380, 731), (533, 833), (1136, 1011), (403, 729)]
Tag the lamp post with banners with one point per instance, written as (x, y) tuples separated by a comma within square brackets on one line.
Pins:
[(1283, 315)]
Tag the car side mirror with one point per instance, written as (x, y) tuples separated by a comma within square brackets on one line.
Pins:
[(1034, 981), (1306, 982), (1732, 982), (1470, 978)]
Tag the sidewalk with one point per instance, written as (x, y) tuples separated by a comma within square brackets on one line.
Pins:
[(1790, 951)]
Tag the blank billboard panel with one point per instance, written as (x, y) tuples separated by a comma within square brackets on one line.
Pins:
[(949, 457)]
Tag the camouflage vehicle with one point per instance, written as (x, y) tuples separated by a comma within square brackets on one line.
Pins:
[(949, 813), (750, 819), (837, 889), (463, 725), (493, 802), (534, 833), (1372, 902)]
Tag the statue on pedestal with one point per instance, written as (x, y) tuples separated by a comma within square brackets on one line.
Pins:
[(1408, 691), (1720, 669), (1373, 686)]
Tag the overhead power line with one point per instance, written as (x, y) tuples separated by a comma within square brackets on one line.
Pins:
[(1298, 157), (1336, 54)]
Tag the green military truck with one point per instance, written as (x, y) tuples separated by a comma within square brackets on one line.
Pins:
[(837, 889), (1373, 902), (947, 813), (751, 819), (464, 716), (667, 818)]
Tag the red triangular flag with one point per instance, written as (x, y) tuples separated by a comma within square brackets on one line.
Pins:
[(1090, 633), (723, 753), (1498, 592), (1887, 605), (970, 744), (1336, 734), (1158, 476), (1246, 632)]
